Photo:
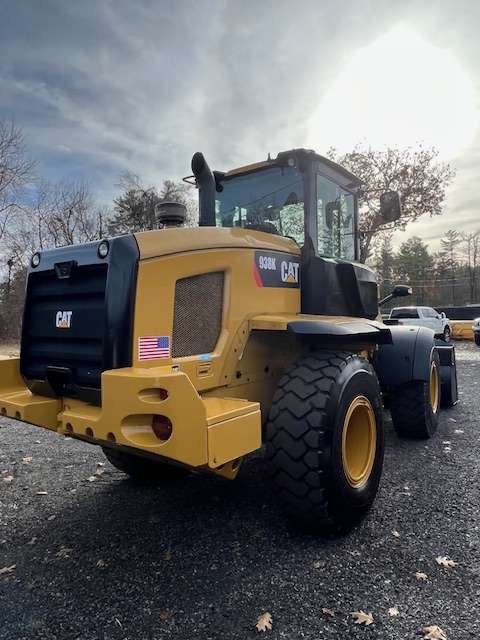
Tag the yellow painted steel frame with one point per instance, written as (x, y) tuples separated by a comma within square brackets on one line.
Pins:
[(208, 432), (215, 404)]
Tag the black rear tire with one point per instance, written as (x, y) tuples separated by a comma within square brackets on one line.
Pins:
[(142, 469), (305, 441), (414, 414)]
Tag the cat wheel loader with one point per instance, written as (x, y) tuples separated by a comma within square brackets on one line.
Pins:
[(189, 348)]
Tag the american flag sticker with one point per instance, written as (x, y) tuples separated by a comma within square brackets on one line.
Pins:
[(152, 347)]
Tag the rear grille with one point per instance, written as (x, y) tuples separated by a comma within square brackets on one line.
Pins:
[(78, 348), (198, 313)]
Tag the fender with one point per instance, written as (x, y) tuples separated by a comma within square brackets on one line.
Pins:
[(407, 359), (347, 328)]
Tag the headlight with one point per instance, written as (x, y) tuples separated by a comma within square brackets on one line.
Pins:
[(35, 261), (103, 249)]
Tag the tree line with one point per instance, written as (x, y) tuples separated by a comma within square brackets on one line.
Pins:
[(36, 214), (449, 276)]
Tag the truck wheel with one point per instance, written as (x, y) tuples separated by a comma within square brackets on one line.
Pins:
[(415, 406), (446, 334), (477, 338), (325, 441), (142, 469)]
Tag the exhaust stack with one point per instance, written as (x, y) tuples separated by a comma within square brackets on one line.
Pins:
[(206, 186)]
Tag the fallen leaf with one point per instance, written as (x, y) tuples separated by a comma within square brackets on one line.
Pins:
[(433, 633), (421, 576), (168, 554), (330, 613), (41, 493), (361, 617), (92, 478), (318, 564), (396, 534), (10, 569), (445, 561), (100, 469), (101, 564), (264, 622), (33, 540), (52, 517), (27, 460), (64, 552), (165, 615), (7, 478), (393, 611)]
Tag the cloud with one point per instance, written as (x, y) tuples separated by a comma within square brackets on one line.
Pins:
[(102, 87)]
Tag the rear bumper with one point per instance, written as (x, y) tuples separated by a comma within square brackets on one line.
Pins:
[(208, 431)]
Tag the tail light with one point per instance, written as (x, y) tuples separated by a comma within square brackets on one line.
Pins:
[(162, 427)]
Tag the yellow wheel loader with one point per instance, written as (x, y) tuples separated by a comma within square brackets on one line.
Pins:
[(189, 348)]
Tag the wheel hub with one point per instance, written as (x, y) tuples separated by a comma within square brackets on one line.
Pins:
[(359, 441), (434, 387)]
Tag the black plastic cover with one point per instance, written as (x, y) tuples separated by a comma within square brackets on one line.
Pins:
[(78, 318), (332, 286)]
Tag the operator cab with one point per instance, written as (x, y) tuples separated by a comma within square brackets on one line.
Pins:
[(312, 200), (298, 194)]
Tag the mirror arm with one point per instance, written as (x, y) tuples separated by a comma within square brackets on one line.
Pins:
[(386, 299)]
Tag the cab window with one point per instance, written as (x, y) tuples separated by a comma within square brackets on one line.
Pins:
[(270, 200), (335, 220)]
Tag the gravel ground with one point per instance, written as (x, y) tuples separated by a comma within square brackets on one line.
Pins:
[(203, 558)]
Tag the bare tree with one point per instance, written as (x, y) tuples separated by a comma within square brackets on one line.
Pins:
[(60, 214), (15, 172), (417, 174)]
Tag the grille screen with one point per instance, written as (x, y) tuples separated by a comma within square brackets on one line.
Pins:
[(198, 314)]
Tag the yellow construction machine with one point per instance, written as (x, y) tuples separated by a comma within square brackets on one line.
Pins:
[(189, 348)]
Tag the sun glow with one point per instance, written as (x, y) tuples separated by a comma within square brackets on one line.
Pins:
[(398, 91)]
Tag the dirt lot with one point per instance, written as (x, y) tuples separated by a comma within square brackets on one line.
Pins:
[(203, 558)]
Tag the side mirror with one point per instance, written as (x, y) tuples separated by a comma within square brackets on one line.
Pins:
[(399, 291), (390, 206)]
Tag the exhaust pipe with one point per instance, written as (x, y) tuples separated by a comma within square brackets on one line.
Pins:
[(207, 187)]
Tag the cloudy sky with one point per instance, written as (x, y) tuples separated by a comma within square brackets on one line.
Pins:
[(104, 86)]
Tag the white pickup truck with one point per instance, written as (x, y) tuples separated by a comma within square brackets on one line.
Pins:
[(423, 317)]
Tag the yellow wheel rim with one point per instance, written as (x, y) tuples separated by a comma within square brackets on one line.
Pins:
[(434, 387), (359, 441)]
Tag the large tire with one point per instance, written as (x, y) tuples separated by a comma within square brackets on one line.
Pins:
[(324, 404), (142, 469), (415, 407)]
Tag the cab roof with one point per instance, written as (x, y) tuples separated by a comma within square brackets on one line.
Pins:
[(301, 157)]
